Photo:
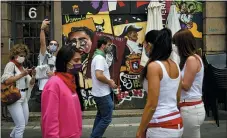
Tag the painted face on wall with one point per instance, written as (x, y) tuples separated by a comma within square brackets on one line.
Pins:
[(109, 55), (81, 40), (133, 36), (76, 9)]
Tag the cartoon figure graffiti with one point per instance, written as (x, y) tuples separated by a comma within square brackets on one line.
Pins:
[(131, 33), (111, 56), (130, 68), (186, 13), (78, 7), (100, 27)]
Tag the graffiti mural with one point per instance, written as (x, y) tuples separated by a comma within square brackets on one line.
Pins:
[(113, 58), (125, 23), (190, 16)]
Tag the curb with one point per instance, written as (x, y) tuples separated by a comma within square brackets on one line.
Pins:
[(35, 116)]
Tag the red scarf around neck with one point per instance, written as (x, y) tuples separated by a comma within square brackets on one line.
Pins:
[(68, 79), (19, 66)]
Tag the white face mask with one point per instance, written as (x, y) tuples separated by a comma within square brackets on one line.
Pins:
[(20, 59)]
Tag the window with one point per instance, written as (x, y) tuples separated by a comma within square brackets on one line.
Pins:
[(27, 19)]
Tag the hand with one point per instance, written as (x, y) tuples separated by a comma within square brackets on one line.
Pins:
[(24, 72), (45, 24), (139, 135), (50, 74), (33, 72), (112, 84)]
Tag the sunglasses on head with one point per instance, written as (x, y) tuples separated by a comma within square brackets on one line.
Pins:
[(53, 44)]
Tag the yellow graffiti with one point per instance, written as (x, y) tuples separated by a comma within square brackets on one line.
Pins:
[(99, 19), (89, 23), (195, 31)]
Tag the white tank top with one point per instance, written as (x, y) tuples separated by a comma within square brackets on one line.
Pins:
[(195, 92), (167, 100)]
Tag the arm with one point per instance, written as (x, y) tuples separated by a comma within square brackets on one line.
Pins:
[(179, 93), (43, 37), (99, 75), (153, 76), (8, 76), (50, 113), (32, 79), (189, 73), (99, 68)]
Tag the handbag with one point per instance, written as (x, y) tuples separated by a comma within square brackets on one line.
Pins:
[(9, 93)]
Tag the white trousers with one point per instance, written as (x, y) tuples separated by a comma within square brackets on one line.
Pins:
[(164, 133), (193, 118), (20, 113)]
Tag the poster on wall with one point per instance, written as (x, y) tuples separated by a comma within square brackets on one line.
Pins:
[(113, 58)]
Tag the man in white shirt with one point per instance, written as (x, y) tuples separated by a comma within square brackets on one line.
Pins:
[(46, 59), (101, 87)]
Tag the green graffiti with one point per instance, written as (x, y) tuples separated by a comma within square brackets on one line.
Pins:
[(70, 20)]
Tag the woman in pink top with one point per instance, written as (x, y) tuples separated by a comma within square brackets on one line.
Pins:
[(60, 106)]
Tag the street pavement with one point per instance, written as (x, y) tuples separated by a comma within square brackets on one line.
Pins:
[(124, 127)]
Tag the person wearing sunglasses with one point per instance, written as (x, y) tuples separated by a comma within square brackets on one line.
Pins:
[(46, 59)]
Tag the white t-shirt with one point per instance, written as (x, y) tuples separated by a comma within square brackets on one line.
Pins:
[(43, 68), (99, 89), (23, 83)]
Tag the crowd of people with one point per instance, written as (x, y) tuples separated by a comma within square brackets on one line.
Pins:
[(174, 106)]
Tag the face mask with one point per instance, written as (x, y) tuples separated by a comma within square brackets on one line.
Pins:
[(20, 59), (107, 49), (53, 48), (147, 53), (76, 68)]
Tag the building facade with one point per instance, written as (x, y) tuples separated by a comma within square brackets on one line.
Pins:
[(21, 21)]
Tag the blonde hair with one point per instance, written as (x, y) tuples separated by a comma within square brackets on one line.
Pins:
[(17, 49)]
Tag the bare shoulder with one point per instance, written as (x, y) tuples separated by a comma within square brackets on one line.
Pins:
[(153, 67), (191, 59), (192, 63)]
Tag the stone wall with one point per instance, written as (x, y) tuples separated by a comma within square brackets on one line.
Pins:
[(5, 32), (214, 28)]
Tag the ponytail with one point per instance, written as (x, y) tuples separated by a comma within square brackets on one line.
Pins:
[(162, 49)]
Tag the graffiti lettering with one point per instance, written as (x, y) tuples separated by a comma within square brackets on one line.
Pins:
[(163, 10), (70, 20), (130, 81), (213, 30), (88, 98)]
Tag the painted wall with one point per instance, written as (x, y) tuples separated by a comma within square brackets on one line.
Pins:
[(114, 19)]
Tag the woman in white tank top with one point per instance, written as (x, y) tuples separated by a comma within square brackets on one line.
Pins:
[(192, 71), (161, 115)]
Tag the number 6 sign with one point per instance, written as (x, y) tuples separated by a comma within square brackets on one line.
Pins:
[(32, 13)]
